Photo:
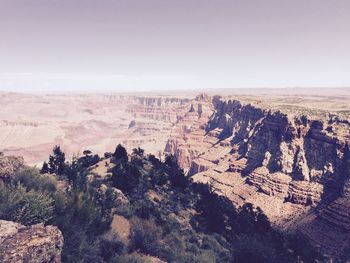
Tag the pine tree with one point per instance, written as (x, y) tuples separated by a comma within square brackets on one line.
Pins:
[(57, 161), (120, 153), (44, 168)]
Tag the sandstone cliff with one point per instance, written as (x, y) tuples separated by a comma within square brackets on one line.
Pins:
[(29, 244), (292, 163), (187, 139)]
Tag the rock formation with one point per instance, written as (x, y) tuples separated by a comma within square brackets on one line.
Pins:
[(9, 165), (29, 244), (116, 195), (190, 130), (291, 163)]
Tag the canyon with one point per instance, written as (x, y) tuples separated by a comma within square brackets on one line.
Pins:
[(284, 151), (31, 125)]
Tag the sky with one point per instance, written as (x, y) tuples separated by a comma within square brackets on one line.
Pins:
[(142, 45)]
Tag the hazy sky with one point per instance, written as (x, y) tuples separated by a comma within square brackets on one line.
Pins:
[(173, 44)]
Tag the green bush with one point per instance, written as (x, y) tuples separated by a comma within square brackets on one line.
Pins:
[(110, 245), (126, 177), (27, 208), (30, 178), (174, 247), (145, 236), (206, 256)]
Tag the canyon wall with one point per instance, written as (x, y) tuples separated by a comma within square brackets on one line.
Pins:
[(294, 164), (31, 125)]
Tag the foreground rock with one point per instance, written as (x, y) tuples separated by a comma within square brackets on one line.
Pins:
[(29, 244)]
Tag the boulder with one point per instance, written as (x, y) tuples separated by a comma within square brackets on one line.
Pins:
[(29, 244)]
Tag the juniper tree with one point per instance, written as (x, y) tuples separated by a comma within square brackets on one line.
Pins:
[(57, 161)]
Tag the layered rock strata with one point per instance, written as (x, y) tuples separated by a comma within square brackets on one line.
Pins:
[(292, 164), (187, 140), (298, 157), (31, 125)]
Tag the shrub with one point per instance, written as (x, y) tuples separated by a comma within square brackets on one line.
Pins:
[(30, 178), (107, 155), (138, 152), (132, 258), (249, 249), (302, 247), (126, 177), (88, 160), (145, 236), (44, 168), (110, 245), (145, 209), (174, 247), (219, 249), (205, 256), (27, 208)]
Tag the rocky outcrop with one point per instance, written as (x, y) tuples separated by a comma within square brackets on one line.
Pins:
[(29, 244), (199, 165), (115, 195), (275, 184), (282, 186), (9, 165)]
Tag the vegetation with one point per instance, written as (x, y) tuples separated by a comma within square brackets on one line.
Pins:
[(56, 162), (170, 217), (25, 207)]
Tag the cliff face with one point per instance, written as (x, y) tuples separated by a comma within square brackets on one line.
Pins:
[(187, 139), (329, 227), (30, 244), (304, 148), (308, 154), (165, 109), (286, 162)]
